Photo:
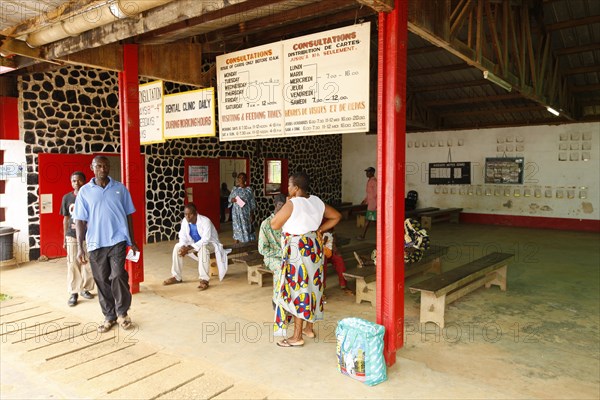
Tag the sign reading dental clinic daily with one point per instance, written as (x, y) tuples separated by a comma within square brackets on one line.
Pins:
[(189, 114)]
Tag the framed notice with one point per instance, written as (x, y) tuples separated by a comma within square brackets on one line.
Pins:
[(504, 170), (189, 114), (450, 173), (198, 174), (312, 85), (151, 112)]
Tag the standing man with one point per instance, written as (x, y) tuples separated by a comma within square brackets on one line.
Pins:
[(197, 235), (102, 216), (370, 200), (79, 276)]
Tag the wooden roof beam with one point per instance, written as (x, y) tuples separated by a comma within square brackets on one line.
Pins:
[(448, 86), (437, 70), (572, 23), (577, 49), (472, 100)]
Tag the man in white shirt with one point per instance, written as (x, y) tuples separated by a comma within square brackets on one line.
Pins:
[(197, 239)]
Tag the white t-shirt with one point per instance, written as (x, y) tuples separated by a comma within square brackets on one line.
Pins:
[(306, 215)]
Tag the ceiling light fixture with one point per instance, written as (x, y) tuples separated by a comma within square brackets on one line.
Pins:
[(552, 111), (500, 82)]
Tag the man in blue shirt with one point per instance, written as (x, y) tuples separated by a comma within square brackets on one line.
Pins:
[(102, 217)]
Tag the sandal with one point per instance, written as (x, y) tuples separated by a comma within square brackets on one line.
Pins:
[(106, 326), (125, 322), (287, 343), (203, 285)]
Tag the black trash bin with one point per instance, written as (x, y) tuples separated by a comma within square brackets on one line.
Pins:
[(6, 243)]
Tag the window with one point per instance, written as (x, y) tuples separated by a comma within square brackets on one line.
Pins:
[(275, 176)]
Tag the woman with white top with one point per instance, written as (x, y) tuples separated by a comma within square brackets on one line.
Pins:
[(299, 287)]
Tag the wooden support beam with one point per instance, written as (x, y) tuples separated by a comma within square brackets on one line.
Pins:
[(174, 62), (18, 47), (438, 70), (577, 49), (572, 23), (491, 111), (472, 100), (582, 70), (585, 88), (423, 50), (109, 57), (430, 26), (449, 86), (378, 5)]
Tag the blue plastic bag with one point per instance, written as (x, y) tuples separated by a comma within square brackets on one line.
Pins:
[(360, 350)]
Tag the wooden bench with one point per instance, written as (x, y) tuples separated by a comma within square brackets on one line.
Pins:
[(443, 289), (365, 276), (347, 209), (256, 268), (446, 214), (416, 213)]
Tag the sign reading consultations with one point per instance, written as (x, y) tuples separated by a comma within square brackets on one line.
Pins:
[(312, 85), (151, 112), (189, 114)]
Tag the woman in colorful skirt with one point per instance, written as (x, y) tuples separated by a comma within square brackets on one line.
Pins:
[(243, 204), (299, 287)]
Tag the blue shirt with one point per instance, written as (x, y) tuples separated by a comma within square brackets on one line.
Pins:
[(194, 233), (105, 210)]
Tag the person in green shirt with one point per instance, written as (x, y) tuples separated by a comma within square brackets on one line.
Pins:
[(269, 239)]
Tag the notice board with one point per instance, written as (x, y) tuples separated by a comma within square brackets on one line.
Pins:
[(450, 173)]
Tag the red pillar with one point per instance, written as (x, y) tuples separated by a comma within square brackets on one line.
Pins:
[(391, 139), (132, 162)]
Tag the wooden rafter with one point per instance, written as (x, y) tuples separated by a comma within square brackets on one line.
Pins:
[(496, 36), (471, 100), (572, 23), (577, 49)]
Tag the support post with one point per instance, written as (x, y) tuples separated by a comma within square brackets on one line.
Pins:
[(132, 161), (391, 139)]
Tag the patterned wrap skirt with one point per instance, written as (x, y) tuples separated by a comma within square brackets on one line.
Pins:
[(299, 284)]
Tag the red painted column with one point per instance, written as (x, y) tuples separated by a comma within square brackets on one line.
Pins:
[(132, 163), (391, 139)]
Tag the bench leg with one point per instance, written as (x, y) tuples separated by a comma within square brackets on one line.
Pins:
[(253, 275), (214, 270), (435, 266), (366, 291), (499, 279), (454, 217), (426, 222), (260, 278), (360, 221), (432, 308)]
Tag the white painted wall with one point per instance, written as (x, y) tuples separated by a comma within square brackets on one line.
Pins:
[(558, 183), (359, 151), (15, 197)]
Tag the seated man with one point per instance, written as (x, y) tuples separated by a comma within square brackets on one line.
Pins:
[(197, 239), (269, 240)]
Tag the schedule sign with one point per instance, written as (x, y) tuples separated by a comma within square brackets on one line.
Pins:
[(151, 112), (312, 85)]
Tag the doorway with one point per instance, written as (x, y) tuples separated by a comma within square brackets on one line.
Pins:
[(230, 168), (54, 178)]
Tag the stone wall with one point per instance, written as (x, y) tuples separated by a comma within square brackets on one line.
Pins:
[(74, 110)]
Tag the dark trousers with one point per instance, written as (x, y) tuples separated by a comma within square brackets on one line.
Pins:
[(112, 280)]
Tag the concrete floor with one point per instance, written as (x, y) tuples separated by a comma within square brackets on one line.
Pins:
[(539, 339)]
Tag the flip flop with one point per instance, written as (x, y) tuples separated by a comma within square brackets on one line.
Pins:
[(286, 343)]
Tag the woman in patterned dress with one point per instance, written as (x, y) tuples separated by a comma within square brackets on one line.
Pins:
[(241, 216), (299, 287)]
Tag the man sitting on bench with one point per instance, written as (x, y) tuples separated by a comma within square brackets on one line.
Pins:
[(197, 239)]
